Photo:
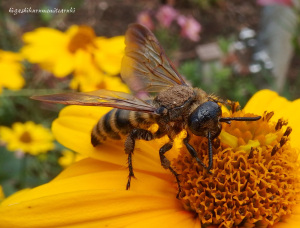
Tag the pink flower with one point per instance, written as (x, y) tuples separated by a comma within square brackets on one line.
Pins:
[(190, 28), (272, 2), (166, 15), (144, 18)]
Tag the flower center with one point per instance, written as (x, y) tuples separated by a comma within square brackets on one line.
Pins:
[(254, 175), (82, 39), (26, 137)]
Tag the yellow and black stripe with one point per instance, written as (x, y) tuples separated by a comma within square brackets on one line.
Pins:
[(118, 122)]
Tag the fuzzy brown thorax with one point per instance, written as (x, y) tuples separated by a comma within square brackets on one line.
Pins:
[(175, 96)]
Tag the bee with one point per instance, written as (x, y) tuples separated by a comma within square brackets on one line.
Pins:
[(176, 106)]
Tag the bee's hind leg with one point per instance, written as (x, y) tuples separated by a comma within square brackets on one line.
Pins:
[(129, 148)]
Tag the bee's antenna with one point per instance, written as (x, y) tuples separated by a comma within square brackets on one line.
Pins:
[(228, 119)]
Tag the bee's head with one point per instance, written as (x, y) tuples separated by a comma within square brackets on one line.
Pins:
[(204, 119), (207, 118)]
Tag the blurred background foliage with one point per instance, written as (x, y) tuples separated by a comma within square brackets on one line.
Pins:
[(216, 44)]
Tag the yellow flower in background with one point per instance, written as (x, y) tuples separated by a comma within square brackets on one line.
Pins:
[(2, 196), (69, 157), (11, 71), (86, 84), (258, 187), (109, 54), (56, 51), (61, 52), (89, 77), (27, 137)]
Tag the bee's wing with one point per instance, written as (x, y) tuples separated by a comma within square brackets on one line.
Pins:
[(101, 97), (145, 66)]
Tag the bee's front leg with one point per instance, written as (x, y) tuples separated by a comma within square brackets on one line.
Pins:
[(166, 163), (129, 148), (194, 153)]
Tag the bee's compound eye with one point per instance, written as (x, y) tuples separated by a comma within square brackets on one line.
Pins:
[(162, 110), (205, 118)]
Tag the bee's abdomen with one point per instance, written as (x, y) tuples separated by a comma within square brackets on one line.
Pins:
[(118, 122)]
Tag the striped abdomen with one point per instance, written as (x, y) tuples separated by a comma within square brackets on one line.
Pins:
[(119, 122)]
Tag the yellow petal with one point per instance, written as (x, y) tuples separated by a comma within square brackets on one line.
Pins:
[(91, 193), (267, 100), (109, 54), (64, 65), (259, 101), (40, 43)]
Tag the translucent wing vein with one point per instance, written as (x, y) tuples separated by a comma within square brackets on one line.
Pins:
[(102, 97), (145, 67)]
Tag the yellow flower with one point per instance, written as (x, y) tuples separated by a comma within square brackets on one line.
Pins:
[(89, 77), (11, 70), (62, 53), (27, 137), (256, 187), (56, 51), (69, 158)]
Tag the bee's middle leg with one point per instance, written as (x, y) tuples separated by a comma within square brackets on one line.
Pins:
[(129, 148)]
